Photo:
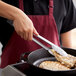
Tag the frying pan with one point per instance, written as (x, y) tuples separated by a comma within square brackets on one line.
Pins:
[(40, 55)]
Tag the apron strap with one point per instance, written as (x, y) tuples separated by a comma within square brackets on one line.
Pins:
[(51, 7), (21, 5)]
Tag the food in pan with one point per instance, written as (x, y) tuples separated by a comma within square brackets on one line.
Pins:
[(62, 63), (69, 61), (53, 65)]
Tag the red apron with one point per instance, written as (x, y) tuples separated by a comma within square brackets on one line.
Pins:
[(46, 27)]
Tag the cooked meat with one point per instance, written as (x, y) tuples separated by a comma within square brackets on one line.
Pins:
[(53, 65), (63, 63), (69, 61)]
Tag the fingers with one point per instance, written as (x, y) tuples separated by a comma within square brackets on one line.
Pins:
[(25, 28), (26, 34), (30, 35)]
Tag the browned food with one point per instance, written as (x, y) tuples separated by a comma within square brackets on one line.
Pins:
[(62, 63), (69, 61), (53, 65)]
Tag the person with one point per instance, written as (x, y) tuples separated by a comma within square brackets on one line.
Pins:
[(20, 19)]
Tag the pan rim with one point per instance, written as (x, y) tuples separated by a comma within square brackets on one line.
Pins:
[(52, 56), (52, 70)]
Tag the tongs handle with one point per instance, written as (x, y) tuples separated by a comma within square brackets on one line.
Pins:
[(55, 47), (45, 47), (47, 41)]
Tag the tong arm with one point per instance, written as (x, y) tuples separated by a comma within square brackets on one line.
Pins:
[(45, 47), (55, 47)]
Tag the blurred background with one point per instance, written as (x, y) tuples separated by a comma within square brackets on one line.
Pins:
[(74, 1)]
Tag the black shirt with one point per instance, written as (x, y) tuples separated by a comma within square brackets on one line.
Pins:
[(64, 14)]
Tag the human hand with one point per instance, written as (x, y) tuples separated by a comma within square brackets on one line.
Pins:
[(24, 26)]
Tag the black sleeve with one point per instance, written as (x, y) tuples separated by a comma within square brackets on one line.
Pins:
[(12, 2), (6, 31), (69, 21)]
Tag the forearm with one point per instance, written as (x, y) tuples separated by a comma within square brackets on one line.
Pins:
[(8, 11), (69, 39), (22, 23)]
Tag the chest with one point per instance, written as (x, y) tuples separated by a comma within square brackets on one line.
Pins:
[(41, 7)]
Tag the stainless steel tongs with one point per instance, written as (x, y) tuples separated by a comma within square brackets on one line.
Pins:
[(55, 47)]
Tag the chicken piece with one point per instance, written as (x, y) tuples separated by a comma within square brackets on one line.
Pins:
[(53, 65), (69, 61)]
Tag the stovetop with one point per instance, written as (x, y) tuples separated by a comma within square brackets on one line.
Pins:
[(19, 69)]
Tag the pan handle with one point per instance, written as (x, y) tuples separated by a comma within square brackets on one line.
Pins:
[(24, 56)]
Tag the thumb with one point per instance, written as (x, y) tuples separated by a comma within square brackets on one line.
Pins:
[(35, 32)]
